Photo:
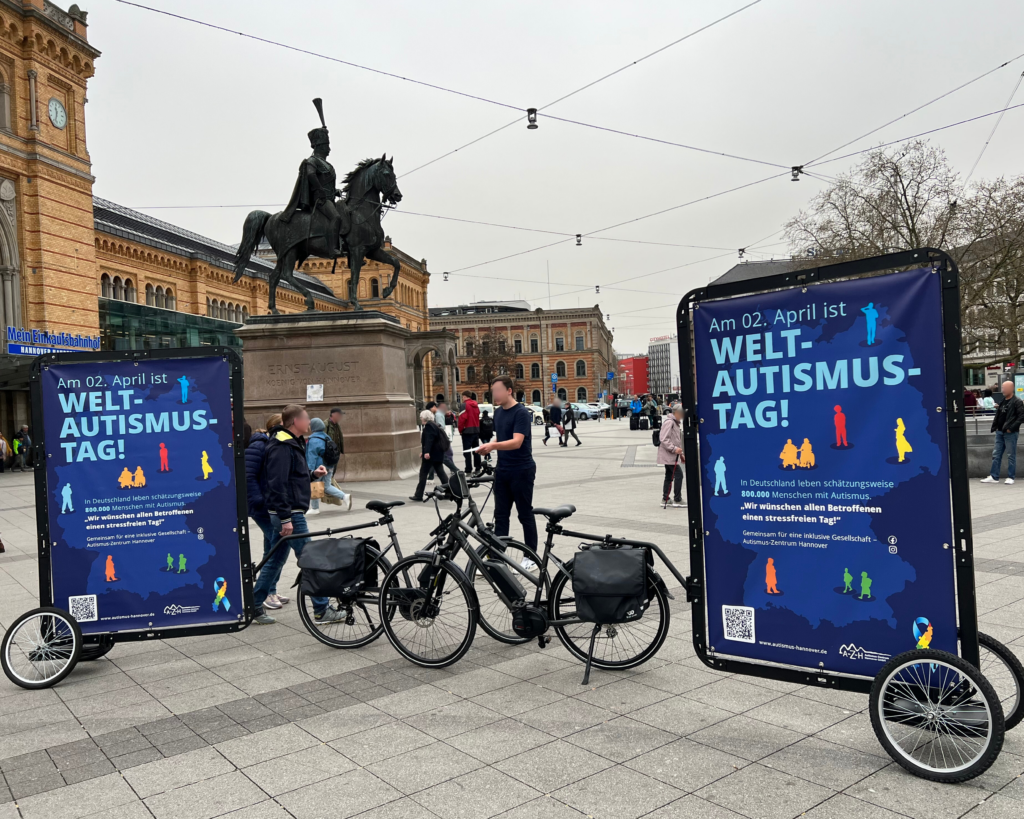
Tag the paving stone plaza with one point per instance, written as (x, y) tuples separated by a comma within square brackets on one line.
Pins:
[(270, 723)]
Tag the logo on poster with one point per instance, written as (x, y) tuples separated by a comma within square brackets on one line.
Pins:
[(923, 632)]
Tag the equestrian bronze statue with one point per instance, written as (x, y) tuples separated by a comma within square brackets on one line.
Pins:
[(317, 222)]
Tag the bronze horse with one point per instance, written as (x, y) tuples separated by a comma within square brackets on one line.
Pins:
[(367, 189)]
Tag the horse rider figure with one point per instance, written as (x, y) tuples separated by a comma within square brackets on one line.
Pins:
[(315, 189)]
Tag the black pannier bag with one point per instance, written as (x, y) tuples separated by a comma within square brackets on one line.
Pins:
[(333, 567), (610, 585)]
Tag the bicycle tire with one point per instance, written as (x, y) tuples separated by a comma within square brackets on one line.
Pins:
[(1003, 663), (366, 601), (45, 651), (638, 647), (939, 704), (494, 616), (406, 611)]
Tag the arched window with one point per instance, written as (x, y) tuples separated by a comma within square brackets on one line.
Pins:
[(150, 296), (581, 369), (169, 299), (534, 344), (118, 288), (520, 373), (581, 395), (245, 314), (536, 396), (535, 370), (238, 313), (517, 344), (469, 346), (5, 104), (560, 369), (106, 291), (471, 374), (129, 290), (438, 376), (561, 393), (209, 306), (223, 310), (374, 289), (457, 376)]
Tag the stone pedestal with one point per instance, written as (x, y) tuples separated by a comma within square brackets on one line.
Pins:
[(360, 360)]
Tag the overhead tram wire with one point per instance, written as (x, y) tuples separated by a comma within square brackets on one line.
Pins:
[(992, 133)]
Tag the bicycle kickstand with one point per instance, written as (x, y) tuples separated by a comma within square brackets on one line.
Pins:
[(590, 654)]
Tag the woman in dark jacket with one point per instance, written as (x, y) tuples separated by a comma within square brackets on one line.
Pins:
[(256, 490), (435, 443)]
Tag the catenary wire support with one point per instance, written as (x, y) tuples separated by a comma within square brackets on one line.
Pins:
[(796, 170)]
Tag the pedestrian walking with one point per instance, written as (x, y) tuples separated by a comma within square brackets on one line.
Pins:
[(433, 442), (22, 448), (469, 429), (555, 420), (569, 425), (1006, 426), (5, 451), (256, 492), (517, 471), (287, 499), (321, 451), (670, 455)]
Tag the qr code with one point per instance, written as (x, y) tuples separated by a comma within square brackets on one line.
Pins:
[(739, 623), (83, 608)]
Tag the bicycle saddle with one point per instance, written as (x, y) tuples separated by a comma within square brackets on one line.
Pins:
[(380, 507), (556, 514)]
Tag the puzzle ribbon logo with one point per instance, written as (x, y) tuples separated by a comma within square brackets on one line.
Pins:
[(221, 585)]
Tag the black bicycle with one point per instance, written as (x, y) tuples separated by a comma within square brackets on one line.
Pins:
[(432, 620)]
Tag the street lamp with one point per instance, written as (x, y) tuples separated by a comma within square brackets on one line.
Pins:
[(531, 119)]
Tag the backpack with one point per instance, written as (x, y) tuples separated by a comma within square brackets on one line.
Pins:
[(610, 585), (487, 426), (331, 452), (333, 567)]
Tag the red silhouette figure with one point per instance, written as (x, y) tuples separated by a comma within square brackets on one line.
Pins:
[(163, 459), (840, 420), (770, 578), (110, 568)]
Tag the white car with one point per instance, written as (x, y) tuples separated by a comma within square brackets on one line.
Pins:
[(537, 412)]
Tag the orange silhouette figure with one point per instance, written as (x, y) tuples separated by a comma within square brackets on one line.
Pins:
[(126, 479), (840, 422), (110, 569), (140, 478), (163, 459), (789, 454), (806, 454), (770, 578)]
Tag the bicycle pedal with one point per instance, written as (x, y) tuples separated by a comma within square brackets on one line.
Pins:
[(543, 640)]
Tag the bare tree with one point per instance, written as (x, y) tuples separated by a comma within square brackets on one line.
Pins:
[(493, 355)]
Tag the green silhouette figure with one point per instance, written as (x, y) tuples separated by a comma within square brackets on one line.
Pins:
[(865, 586), (848, 580), (181, 564), (170, 562)]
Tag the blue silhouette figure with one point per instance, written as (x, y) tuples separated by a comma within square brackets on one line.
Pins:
[(871, 315), (184, 389), (720, 476), (65, 495)]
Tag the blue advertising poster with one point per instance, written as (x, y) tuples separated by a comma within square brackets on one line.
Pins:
[(825, 473), (142, 499)]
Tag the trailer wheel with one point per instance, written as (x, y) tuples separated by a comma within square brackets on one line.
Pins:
[(41, 648)]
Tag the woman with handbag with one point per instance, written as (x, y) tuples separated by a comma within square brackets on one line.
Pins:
[(320, 487)]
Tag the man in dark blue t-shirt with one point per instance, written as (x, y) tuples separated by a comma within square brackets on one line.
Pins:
[(516, 472)]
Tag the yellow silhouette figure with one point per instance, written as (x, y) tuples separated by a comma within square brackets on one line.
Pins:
[(140, 478), (126, 480), (902, 445), (207, 469), (926, 638), (770, 578), (110, 568), (806, 454), (789, 454)]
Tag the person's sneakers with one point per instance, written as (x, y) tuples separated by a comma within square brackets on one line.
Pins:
[(271, 602), (528, 565), (415, 499), (347, 503), (678, 504), (1009, 481), (545, 442), (312, 512), (280, 598), (579, 443), (329, 615), (263, 619), (989, 479)]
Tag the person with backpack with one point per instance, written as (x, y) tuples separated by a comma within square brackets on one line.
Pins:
[(486, 432), (256, 491), (322, 451), (669, 440), (569, 425)]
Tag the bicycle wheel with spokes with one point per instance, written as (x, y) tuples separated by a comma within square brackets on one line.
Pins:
[(624, 645), (431, 618), (495, 617), (1005, 671), (936, 715), (349, 622), (41, 648)]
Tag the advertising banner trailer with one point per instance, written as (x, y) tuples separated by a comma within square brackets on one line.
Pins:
[(141, 493), (824, 473)]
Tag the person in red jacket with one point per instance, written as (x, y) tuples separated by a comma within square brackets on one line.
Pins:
[(469, 428)]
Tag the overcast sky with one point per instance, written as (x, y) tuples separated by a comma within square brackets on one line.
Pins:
[(182, 115)]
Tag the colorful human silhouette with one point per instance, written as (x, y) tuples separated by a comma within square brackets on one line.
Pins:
[(902, 445), (847, 581), (111, 577), (770, 578), (170, 562), (140, 478), (65, 496), (720, 476), (789, 455), (840, 422), (926, 639), (207, 469), (871, 317), (126, 479), (806, 454), (181, 564), (184, 389), (865, 586), (163, 459)]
